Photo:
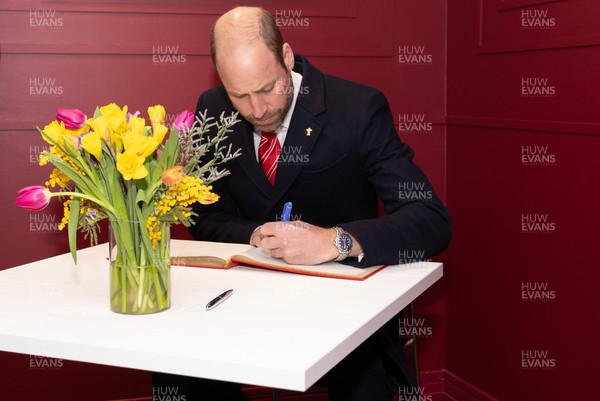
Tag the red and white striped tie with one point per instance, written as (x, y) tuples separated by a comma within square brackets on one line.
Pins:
[(268, 152)]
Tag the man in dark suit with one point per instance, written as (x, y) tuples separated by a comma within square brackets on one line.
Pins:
[(336, 153)]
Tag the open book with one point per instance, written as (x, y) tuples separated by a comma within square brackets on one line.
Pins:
[(226, 255)]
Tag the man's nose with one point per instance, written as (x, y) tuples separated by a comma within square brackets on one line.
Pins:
[(258, 105)]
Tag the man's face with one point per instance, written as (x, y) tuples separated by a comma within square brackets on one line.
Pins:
[(259, 87)]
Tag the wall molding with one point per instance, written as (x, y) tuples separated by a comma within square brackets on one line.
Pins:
[(456, 388), (508, 4), (540, 44), (548, 126), (559, 38), (564, 127), (186, 21), (325, 8)]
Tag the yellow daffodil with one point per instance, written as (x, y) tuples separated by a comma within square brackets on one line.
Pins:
[(56, 132), (157, 114), (99, 125), (72, 138), (116, 118), (131, 166), (78, 131), (136, 125), (139, 145), (92, 143), (159, 131)]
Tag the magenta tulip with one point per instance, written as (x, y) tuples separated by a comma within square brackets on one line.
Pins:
[(72, 118), (184, 121), (35, 197)]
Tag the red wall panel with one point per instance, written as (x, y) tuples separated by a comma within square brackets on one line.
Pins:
[(522, 183), (72, 53)]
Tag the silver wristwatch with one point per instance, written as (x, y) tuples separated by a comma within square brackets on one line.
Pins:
[(343, 243)]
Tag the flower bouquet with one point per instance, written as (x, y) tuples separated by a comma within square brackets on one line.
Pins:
[(116, 166)]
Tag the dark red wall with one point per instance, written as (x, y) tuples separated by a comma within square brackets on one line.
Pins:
[(521, 300), (82, 54), (509, 124)]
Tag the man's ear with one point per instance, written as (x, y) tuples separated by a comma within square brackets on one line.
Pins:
[(288, 56)]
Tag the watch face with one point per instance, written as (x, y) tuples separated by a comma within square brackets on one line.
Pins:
[(344, 242)]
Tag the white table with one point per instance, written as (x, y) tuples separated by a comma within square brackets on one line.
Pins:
[(278, 330)]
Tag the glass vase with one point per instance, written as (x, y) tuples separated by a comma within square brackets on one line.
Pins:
[(140, 269)]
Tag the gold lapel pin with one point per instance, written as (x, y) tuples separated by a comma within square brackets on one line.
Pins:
[(308, 131)]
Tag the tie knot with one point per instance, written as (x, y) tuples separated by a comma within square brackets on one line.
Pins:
[(268, 134)]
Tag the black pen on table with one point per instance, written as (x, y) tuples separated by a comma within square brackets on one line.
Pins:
[(218, 300)]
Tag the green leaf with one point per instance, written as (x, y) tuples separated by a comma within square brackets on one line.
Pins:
[(140, 196), (168, 154), (73, 220)]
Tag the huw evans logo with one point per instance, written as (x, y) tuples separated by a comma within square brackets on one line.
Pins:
[(292, 156), (537, 223), (286, 86), (412, 393), (536, 291), (44, 19), (414, 124), (43, 223), (44, 290), (167, 393), (537, 87), (412, 191), (411, 256), (414, 55), (537, 360), (535, 155), (34, 153), (167, 55), (537, 19), (414, 328), (45, 87), (291, 19), (37, 362)]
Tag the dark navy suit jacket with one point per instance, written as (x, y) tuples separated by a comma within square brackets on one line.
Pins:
[(342, 153)]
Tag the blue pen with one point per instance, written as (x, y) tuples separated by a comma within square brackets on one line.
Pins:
[(287, 210)]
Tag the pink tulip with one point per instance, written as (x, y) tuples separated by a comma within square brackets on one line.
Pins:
[(184, 121), (72, 118), (35, 197)]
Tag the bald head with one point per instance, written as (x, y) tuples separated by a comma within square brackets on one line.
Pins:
[(244, 27)]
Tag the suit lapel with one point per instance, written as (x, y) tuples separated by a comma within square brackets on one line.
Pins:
[(304, 129), (302, 134)]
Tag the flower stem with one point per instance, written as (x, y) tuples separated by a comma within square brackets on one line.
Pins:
[(88, 197)]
